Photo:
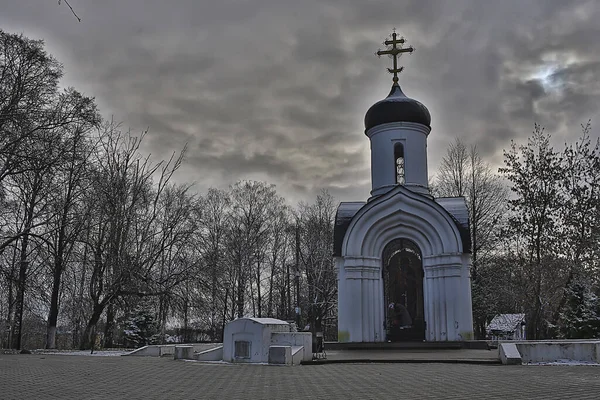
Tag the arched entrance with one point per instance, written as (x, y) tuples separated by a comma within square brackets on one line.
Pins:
[(403, 291)]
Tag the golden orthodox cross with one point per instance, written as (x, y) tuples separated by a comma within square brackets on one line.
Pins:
[(395, 50)]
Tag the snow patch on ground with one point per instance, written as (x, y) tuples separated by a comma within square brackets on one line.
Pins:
[(565, 362)]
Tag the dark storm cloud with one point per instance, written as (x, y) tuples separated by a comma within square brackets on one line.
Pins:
[(277, 90)]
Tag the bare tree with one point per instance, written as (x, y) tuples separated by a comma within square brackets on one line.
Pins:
[(67, 220), (249, 227), (123, 191), (28, 87), (315, 223), (218, 284), (277, 253), (165, 247), (30, 106), (31, 188), (463, 173), (453, 175)]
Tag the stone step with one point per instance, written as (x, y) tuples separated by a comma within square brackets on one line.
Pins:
[(394, 345)]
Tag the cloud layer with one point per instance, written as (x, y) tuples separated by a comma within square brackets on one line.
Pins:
[(277, 90)]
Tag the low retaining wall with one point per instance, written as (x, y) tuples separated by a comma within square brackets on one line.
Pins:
[(550, 351), (161, 350)]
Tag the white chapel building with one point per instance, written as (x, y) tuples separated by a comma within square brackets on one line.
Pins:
[(402, 257)]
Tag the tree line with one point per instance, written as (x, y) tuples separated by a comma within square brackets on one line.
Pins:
[(95, 235), (535, 229)]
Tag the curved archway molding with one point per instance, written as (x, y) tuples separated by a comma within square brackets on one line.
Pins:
[(402, 214)]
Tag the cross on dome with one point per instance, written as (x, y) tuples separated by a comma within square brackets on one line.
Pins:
[(395, 50)]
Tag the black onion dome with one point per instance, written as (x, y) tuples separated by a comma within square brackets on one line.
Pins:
[(396, 107)]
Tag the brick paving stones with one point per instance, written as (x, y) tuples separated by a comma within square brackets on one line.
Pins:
[(81, 377)]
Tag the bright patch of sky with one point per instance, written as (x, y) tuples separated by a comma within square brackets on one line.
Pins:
[(545, 75)]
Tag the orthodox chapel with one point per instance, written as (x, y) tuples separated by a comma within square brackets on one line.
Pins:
[(402, 257)]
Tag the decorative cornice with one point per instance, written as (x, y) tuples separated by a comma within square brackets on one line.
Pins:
[(408, 126)]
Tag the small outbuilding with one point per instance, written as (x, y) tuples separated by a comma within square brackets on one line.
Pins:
[(251, 340), (507, 327)]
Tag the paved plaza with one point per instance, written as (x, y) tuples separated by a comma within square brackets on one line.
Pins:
[(82, 377)]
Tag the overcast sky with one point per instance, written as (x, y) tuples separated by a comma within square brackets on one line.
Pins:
[(277, 90)]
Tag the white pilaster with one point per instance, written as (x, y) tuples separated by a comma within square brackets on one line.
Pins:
[(357, 299), (444, 281)]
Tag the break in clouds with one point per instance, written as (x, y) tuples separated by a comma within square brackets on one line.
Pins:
[(277, 90)]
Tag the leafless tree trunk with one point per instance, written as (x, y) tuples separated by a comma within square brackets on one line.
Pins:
[(68, 221), (316, 264), (250, 228)]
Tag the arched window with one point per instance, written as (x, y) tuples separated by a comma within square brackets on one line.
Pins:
[(399, 161)]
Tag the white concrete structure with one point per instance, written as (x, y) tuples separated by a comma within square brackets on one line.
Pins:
[(550, 351), (509, 354), (248, 340), (402, 258)]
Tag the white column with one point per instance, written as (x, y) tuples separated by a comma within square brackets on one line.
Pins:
[(369, 275), (364, 328), (454, 306), (443, 307), (437, 319), (466, 318), (354, 301), (446, 309), (356, 320), (428, 305), (344, 310)]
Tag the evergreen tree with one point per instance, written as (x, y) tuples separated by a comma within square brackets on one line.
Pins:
[(141, 328), (581, 316)]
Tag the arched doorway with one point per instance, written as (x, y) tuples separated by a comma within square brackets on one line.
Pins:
[(403, 291)]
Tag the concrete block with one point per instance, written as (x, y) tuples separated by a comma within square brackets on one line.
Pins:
[(297, 354), (509, 354), (166, 350), (303, 339), (184, 353), (281, 355)]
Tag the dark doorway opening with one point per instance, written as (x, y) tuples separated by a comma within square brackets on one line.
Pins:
[(403, 291)]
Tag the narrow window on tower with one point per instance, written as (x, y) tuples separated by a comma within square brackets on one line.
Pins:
[(399, 157)]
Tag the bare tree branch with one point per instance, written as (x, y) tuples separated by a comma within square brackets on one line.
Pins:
[(73, 11)]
